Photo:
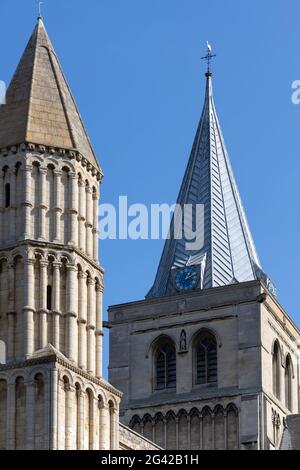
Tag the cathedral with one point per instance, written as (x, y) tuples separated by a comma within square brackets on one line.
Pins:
[(52, 392), (210, 359)]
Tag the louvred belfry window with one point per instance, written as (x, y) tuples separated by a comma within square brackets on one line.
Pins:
[(165, 362), (206, 359)]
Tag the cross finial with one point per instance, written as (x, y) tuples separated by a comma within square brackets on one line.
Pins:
[(40, 9), (208, 57)]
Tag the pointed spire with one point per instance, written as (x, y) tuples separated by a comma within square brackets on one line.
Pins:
[(228, 255), (40, 108)]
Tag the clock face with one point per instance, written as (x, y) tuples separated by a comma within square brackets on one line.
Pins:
[(186, 279)]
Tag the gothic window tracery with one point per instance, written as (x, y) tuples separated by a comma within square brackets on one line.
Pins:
[(206, 359), (165, 365)]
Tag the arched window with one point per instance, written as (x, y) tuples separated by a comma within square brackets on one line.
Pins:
[(148, 428), (276, 370), (135, 424), (206, 359), (165, 365), (7, 195), (288, 377)]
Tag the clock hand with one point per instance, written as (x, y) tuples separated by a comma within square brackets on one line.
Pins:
[(189, 277)]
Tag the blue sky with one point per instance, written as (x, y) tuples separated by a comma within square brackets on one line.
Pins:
[(135, 70)]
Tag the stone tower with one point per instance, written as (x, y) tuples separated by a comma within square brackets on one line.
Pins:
[(52, 394), (210, 359)]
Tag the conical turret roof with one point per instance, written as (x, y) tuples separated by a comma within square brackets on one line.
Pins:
[(40, 108)]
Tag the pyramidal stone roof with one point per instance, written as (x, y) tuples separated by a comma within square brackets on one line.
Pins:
[(228, 255), (40, 108)]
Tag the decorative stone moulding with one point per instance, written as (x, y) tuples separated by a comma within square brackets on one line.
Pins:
[(72, 154)]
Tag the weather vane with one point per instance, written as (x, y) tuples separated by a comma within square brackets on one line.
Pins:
[(40, 9), (209, 56)]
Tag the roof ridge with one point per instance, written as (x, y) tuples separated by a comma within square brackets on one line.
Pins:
[(31, 83), (74, 102)]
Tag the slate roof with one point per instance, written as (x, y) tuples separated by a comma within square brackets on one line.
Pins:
[(229, 254)]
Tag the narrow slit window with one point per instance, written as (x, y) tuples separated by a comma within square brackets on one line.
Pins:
[(7, 195), (49, 298)]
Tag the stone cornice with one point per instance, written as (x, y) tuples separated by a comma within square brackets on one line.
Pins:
[(72, 154), (55, 359), (190, 295), (54, 246)]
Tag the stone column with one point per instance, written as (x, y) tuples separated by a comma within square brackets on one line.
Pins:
[(226, 430), (104, 428), (82, 215), (89, 221), (12, 210), (42, 205), (29, 309), (71, 315), (43, 303), (189, 432), (96, 419), (54, 410), (201, 432), (81, 420), (92, 422), (11, 416), (30, 405), (165, 432), (82, 336), (99, 329), (57, 208), (91, 346), (114, 428), (117, 431), (2, 208), (95, 228), (11, 314), (213, 431), (70, 418), (56, 304), (27, 204), (47, 411), (74, 211)]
